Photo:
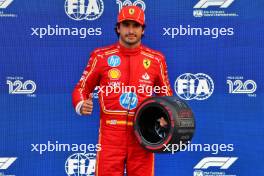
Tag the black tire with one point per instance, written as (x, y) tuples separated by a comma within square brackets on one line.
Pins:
[(180, 119)]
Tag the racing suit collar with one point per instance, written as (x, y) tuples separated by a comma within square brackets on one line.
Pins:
[(129, 51)]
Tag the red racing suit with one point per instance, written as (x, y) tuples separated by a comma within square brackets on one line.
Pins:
[(116, 66)]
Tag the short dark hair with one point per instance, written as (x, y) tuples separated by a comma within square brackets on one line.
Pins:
[(118, 25)]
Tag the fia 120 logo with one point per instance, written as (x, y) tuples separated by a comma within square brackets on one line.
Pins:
[(140, 3), (19, 87), (238, 86)]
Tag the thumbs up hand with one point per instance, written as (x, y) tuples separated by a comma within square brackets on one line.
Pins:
[(87, 106)]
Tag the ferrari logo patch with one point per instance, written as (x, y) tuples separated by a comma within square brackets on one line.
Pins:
[(146, 63)]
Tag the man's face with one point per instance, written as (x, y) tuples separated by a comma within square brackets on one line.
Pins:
[(130, 32)]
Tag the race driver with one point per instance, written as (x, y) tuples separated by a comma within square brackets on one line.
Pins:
[(125, 63)]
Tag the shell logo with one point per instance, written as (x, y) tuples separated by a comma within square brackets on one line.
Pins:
[(114, 73)]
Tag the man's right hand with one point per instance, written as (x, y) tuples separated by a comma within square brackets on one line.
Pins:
[(87, 106)]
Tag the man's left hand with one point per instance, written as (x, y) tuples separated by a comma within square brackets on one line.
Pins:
[(163, 122)]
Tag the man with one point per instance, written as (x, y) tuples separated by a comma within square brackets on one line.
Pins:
[(126, 63)]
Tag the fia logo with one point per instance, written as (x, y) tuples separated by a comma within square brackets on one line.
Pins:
[(139, 3), (239, 87), (194, 86), (198, 173), (84, 9), (81, 164), (197, 13), (18, 87), (206, 3)]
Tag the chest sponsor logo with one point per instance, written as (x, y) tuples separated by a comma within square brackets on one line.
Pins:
[(146, 63), (128, 100), (114, 73), (114, 61), (145, 77), (114, 83)]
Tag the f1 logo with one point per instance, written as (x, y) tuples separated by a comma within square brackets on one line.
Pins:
[(6, 162), (222, 162), (206, 3), (5, 3)]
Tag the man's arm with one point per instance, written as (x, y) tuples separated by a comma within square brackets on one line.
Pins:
[(163, 78), (81, 96), (164, 84)]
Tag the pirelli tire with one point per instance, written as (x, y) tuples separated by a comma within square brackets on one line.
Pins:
[(180, 126)]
